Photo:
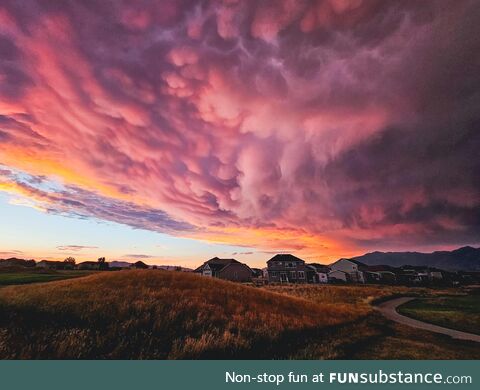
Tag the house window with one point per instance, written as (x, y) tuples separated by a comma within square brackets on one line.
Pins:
[(274, 274), (301, 275), (293, 275), (289, 265)]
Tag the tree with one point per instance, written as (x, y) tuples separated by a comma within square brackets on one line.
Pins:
[(103, 264), (70, 260)]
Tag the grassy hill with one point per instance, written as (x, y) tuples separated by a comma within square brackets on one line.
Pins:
[(173, 315), (154, 314)]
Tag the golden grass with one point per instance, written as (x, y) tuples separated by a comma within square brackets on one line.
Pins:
[(372, 336), (356, 299), (172, 315), (395, 341), (151, 314)]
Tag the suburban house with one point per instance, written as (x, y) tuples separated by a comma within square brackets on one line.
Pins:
[(48, 264), (317, 273), (265, 273), (228, 269), (286, 268), (422, 275), (348, 271), (408, 276), (435, 275), (139, 265), (257, 273), (371, 276), (386, 273), (338, 276)]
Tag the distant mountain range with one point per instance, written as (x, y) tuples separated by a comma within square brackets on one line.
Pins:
[(119, 264), (462, 259)]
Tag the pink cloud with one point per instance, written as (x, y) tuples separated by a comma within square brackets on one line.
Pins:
[(318, 117)]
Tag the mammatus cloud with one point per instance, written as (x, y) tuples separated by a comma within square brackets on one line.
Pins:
[(321, 126)]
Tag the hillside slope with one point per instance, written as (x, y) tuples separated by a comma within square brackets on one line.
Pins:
[(462, 259), (152, 314)]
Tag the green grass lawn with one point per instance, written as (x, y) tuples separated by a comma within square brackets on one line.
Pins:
[(454, 312), (11, 278)]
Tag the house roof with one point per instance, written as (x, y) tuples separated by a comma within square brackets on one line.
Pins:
[(320, 267), (216, 264), (50, 262), (360, 264), (285, 257), (139, 264), (88, 263)]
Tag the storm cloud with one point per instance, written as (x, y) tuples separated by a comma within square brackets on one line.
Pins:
[(324, 124)]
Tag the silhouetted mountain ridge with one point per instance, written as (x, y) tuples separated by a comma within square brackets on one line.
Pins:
[(466, 258)]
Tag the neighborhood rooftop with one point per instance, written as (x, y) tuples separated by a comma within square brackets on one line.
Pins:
[(285, 257)]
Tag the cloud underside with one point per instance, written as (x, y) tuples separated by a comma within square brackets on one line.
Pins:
[(312, 125)]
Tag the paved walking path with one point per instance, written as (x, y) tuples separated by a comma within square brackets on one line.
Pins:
[(389, 310)]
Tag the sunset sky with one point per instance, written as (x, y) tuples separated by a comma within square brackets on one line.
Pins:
[(175, 131)]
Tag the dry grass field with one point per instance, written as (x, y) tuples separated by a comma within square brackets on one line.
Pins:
[(371, 336), (356, 297), (173, 315), (151, 314)]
